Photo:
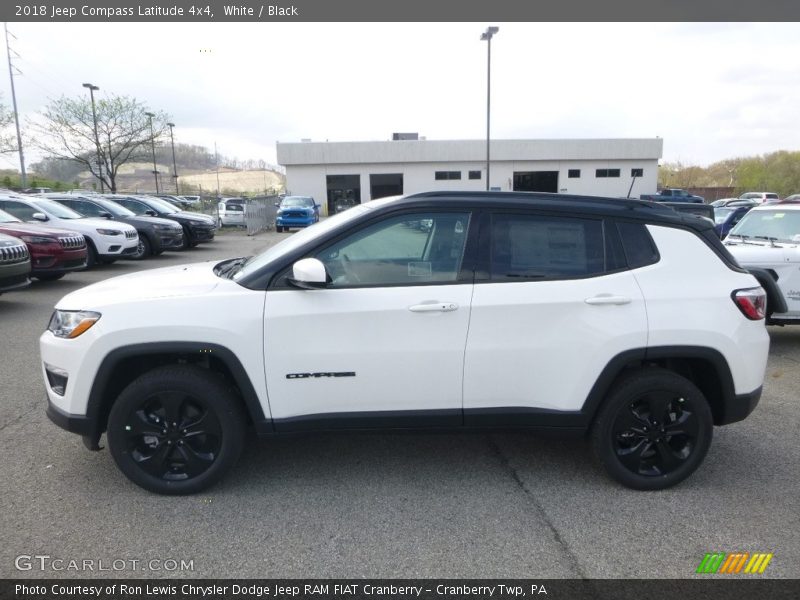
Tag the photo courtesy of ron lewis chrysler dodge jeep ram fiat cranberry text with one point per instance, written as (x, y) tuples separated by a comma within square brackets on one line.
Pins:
[(618, 319)]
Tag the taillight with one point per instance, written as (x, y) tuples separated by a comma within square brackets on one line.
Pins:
[(752, 302)]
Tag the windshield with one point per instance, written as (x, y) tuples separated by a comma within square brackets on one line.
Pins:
[(297, 201), (55, 209), (160, 204), (720, 214), (298, 239), (7, 218), (780, 225), (115, 209)]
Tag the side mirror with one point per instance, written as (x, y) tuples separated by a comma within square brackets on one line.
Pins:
[(39, 216), (278, 204), (150, 213), (308, 274), (104, 214)]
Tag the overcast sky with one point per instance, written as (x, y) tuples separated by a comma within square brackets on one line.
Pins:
[(711, 91)]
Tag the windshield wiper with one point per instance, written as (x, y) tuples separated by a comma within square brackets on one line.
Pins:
[(230, 267), (771, 240)]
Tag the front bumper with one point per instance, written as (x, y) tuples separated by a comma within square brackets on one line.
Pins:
[(15, 276), (166, 241), (202, 233), (63, 261), (295, 221)]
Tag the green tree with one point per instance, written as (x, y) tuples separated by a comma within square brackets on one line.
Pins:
[(66, 131)]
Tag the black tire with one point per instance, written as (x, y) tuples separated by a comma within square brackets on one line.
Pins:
[(194, 244), (653, 430), (143, 250), (278, 228), (204, 428), (49, 276), (187, 239), (91, 254)]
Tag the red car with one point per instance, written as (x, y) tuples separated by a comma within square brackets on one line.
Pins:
[(54, 252)]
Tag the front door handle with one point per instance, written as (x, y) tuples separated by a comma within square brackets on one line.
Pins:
[(607, 299), (434, 307)]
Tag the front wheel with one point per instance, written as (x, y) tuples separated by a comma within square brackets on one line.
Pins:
[(653, 431), (143, 249), (176, 430)]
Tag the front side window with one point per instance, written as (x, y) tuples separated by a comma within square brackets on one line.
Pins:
[(20, 210), (534, 247), (410, 249), (134, 206)]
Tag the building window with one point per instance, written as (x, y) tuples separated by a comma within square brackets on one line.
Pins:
[(448, 175), (607, 173), (637, 172), (474, 174), (574, 173)]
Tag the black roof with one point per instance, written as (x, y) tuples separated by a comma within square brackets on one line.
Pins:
[(653, 212)]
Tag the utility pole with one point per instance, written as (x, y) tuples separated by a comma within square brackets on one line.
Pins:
[(92, 89), (216, 160), (486, 36), (24, 177), (174, 164), (153, 146)]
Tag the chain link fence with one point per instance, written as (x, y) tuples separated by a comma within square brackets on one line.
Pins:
[(260, 213)]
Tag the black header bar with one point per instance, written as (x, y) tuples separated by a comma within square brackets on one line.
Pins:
[(253, 11)]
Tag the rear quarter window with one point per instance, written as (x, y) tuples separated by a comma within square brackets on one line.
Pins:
[(637, 244)]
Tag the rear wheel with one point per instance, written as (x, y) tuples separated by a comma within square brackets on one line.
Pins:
[(176, 430), (279, 228), (653, 431)]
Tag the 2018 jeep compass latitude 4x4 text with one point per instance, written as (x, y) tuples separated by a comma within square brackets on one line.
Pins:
[(618, 319)]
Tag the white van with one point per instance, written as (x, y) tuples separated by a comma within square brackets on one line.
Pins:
[(230, 211)]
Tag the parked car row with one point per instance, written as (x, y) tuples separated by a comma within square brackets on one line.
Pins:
[(46, 236)]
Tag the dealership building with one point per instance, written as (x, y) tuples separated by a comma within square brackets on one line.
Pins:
[(340, 174)]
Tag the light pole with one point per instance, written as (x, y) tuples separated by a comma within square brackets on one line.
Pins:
[(153, 146), (174, 165), (487, 37), (92, 89)]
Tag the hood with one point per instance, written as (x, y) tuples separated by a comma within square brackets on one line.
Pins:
[(99, 223), (198, 217), (157, 220), (31, 229), (168, 282), (755, 252)]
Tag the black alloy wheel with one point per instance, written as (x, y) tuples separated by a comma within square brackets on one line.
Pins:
[(176, 430), (654, 430)]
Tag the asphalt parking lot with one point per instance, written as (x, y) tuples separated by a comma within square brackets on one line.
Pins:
[(385, 505)]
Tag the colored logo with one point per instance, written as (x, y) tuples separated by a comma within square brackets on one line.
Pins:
[(734, 563)]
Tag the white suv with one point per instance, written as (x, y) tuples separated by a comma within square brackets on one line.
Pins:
[(106, 240), (767, 242), (618, 319)]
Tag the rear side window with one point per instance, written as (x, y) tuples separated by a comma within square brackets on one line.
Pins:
[(639, 248), (531, 247)]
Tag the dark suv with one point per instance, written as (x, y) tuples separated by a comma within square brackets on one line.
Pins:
[(54, 252), (155, 234), (196, 227), (15, 264)]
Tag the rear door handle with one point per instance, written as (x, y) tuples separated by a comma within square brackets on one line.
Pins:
[(434, 307), (607, 299)]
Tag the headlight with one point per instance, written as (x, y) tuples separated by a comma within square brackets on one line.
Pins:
[(35, 239), (109, 232), (159, 227), (71, 323)]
